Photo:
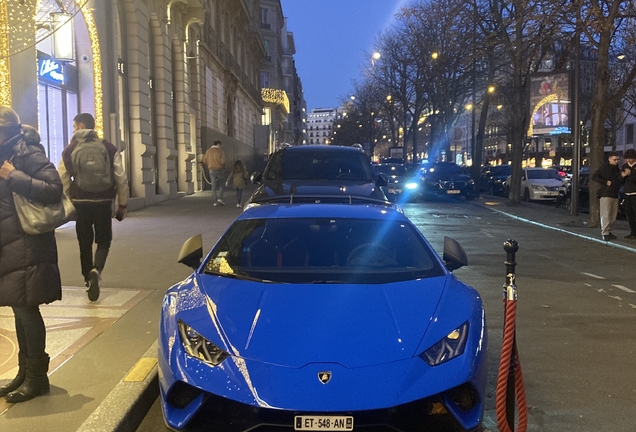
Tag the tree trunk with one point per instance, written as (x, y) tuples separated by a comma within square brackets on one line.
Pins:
[(598, 116)]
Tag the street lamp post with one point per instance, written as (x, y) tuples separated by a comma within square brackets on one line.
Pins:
[(576, 128)]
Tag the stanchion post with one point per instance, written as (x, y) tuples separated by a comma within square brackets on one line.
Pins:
[(510, 294)]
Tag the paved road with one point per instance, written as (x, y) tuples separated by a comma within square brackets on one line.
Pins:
[(577, 295)]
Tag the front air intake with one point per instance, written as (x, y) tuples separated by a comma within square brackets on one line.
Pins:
[(182, 394)]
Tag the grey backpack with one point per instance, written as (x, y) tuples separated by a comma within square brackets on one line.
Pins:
[(93, 169)]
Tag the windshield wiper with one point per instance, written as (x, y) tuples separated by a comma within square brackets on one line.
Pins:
[(238, 276)]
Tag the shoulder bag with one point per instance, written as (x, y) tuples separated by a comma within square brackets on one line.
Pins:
[(36, 218)]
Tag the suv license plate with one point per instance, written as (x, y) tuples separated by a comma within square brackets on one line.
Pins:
[(323, 423), (453, 191)]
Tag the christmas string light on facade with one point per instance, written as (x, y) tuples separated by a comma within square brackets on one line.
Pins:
[(24, 25), (276, 96), (97, 68), (549, 98), (5, 76)]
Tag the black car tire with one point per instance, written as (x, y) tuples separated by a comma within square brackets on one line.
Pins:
[(526, 195)]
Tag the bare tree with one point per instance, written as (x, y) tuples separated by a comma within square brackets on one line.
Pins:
[(441, 41), (524, 28), (608, 26)]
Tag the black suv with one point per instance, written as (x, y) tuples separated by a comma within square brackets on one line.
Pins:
[(446, 179), (493, 177), (318, 174)]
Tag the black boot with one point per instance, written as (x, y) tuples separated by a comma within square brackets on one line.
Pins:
[(36, 382), (19, 378)]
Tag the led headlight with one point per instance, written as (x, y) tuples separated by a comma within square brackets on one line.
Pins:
[(538, 187), (199, 347), (447, 348), (411, 185)]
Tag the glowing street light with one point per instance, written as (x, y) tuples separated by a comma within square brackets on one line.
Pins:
[(375, 57), (434, 55)]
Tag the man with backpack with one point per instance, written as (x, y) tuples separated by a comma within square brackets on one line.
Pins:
[(93, 175)]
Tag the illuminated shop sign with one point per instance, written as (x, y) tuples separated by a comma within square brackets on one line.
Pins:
[(560, 130), (50, 70)]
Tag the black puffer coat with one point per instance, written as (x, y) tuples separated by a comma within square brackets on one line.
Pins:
[(29, 274)]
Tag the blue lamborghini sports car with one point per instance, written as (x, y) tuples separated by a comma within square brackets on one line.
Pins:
[(322, 317)]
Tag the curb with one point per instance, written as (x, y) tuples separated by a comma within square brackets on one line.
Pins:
[(128, 403), (563, 230)]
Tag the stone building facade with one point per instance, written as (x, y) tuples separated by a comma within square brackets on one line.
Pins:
[(163, 78)]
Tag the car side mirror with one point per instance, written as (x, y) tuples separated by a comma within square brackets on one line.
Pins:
[(191, 252), (454, 254), (256, 177), (381, 180)]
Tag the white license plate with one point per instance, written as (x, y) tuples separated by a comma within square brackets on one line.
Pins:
[(323, 423), (453, 191)]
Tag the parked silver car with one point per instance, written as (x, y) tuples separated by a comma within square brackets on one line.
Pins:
[(539, 184)]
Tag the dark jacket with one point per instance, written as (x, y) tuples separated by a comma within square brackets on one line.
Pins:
[(29, 274), (629, 182), (608, 172)]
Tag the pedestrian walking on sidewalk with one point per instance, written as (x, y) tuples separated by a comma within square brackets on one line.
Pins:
[(238, 177), (609, 176), (214, 159), (629, 192), (29, 275), (93, 176)]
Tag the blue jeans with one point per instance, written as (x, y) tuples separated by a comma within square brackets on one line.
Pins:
[(239, 195), (216, 184)]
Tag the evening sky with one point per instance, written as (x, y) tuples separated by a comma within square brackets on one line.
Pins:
[(334, 39)]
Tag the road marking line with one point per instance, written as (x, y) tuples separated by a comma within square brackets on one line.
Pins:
[(141, 370), (621, 287), (593, 275), (587, 284), (632, 305), (616, 297)]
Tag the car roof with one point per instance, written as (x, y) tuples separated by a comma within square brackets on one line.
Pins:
[(324, 210), (317, 147)]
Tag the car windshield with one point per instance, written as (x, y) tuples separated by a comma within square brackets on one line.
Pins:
[(319, 165), (316, 250), (445, 168), (543, 174), (501, 170), (392, 170)]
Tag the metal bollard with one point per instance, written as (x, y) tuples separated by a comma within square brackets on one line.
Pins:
[(510, 289), (510, 293)]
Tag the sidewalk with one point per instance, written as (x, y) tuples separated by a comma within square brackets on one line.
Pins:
[(103, 370), (106, 376), (547, 216)]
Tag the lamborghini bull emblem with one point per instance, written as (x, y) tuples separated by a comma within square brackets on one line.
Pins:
[(324, 377)]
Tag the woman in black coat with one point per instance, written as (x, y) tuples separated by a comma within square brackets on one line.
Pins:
[(29, 275)]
